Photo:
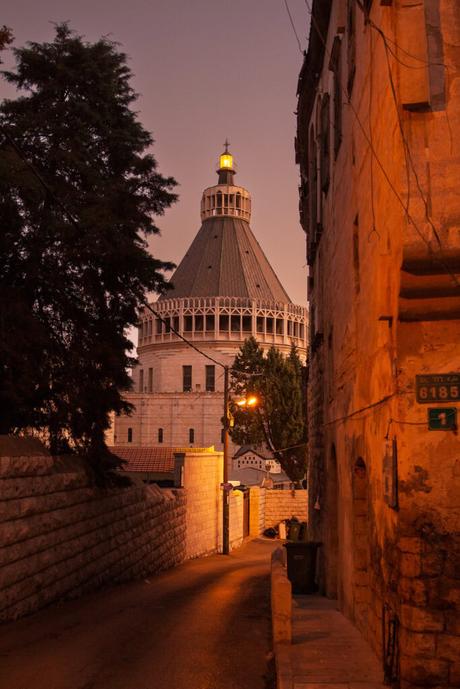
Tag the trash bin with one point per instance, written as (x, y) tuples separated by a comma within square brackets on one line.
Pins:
[(293, 531), (301, 565), (303, 535)]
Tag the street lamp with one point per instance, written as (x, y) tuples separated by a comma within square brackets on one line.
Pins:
[(250, 402)]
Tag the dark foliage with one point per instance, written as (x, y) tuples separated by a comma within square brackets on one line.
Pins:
[(279, 420), (75, 269)]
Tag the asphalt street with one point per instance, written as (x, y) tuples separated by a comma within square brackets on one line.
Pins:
[(202, 625)]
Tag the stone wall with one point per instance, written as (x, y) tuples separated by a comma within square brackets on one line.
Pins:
[(284, 504), (256, 510), (60, 536), (201, 476), (236, 519), (383, 312)]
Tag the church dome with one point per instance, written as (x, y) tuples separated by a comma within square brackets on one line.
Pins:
[(225, 259)]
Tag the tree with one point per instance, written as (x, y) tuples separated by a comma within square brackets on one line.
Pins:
[(6, 37), (78, 196), (280, 418)]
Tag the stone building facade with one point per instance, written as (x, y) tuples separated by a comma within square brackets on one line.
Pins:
[(223, 291), (378, 145)]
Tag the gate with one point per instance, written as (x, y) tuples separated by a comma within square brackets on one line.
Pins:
[(245, 513)]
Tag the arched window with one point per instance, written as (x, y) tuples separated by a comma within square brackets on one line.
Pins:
[(160, 435), (360, 536)]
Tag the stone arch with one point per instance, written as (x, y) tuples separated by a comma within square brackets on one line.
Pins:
[(360, 535)]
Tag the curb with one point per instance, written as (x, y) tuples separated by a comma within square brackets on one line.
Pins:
[(281, 612), (284, 678)]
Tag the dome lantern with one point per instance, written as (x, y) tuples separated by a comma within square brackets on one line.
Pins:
[(225, 198)]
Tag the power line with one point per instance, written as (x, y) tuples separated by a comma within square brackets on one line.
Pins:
[(379, 29), (197, 349), (404, 206), (293, 26), (39, 177), (359, 411), (184, 339)]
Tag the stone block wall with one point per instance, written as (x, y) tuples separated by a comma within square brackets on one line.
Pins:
[(284, 504), (256, 510), (236, 519), (428, 605), (60, 536), (201, 475)]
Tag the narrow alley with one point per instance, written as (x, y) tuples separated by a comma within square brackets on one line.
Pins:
[(202, 625)]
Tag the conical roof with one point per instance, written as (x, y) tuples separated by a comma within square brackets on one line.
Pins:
[(226, 260)]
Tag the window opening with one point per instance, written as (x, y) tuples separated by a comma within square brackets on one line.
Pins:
[(186, 378), (236, 324), (247, 324), (210, 378)]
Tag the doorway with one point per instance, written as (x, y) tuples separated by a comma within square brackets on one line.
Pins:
[(360, 517)]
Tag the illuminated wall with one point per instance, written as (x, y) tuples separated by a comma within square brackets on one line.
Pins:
[(377, 145)]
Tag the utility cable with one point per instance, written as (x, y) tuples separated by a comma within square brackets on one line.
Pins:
[(184, 339), (293, 26), (362, 409), (412, 221), (197, 349), (39, 177)]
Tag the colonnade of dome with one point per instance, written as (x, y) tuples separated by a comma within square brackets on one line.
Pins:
[(224, 319)]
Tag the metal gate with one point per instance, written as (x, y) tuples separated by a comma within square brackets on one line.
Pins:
[(246, 513)]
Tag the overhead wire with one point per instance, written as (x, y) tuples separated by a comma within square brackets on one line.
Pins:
[(184, 339), (293, 26), (374, 220), (231, 369), (409, 159), (406, 145), (361, 410), (75, 223), (39, 177)]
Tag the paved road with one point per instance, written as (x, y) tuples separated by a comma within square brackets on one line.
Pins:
[(203, 625)]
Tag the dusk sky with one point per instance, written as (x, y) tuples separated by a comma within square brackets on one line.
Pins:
[(205, 70)]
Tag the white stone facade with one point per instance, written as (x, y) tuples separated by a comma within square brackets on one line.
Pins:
[(165, 413), (178, 392)]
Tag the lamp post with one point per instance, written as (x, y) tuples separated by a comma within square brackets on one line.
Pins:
[(226, 492), (247, 402)]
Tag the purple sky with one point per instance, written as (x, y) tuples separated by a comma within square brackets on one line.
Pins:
[(205, 70)]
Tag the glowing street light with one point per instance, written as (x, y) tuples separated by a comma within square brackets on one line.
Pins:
[(251, 401)]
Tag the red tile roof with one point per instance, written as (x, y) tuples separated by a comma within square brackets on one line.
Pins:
[(152, 459)]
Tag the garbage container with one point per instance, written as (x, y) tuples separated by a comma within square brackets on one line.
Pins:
[(294, 530), (301, 565), (303, 534)]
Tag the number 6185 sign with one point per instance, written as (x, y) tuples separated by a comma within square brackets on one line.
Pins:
[(439, 387)]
